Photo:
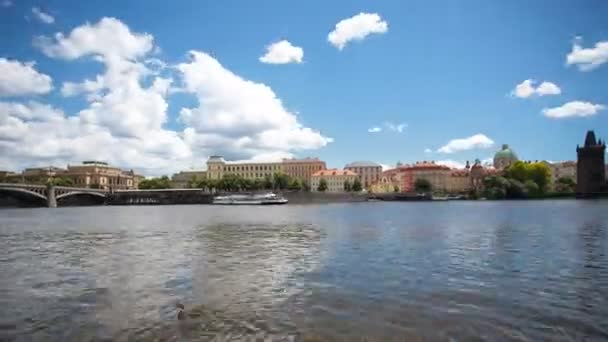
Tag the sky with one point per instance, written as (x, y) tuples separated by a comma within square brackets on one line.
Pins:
[(158, 86)]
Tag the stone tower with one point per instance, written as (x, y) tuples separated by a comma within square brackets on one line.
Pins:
[(590, 169)]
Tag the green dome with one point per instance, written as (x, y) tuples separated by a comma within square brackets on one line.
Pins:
[(505, 153)]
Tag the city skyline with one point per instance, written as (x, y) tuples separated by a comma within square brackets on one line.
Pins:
[(380, 81)]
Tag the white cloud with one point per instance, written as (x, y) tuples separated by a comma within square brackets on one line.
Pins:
[(386, 167), (477, 141), (356, 28), (108, 38), (124, 120), (428, 150), (282, 52), (526, 89), (6, 3), (588, 59), (239, 116), (573, 109), (42, 16), (453, 164), (389, 127), (18, 79)]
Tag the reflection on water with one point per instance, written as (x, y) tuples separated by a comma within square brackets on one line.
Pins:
[(456, 271)]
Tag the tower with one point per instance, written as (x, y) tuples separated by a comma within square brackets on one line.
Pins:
[(590, 169), (215, 167)]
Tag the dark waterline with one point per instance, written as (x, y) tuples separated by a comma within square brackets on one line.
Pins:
[(461, 271)]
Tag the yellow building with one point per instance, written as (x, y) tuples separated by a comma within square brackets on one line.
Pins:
[(335, 179), (182, 179), (39, 174), (302, 168), (390, 181), (95, 174), (217, 167), (369, 172)]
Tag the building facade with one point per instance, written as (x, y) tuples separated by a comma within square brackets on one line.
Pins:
[(504, 158), (369, 172), (100, 175), (303, 169), (559, 170), (335, 179), (183, 179), (40, 174), (390, 181), (590, 166)]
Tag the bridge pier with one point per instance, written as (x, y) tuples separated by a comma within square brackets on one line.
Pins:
[(51, 199)]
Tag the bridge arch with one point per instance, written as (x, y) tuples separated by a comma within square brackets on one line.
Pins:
[(80, 192), (22, 191), (20, 197)]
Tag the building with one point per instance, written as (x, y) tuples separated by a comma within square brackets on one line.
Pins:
[(390, 181), (303, 168), (183, 179), (459, 181), (217, 167), (100, 175), (590, 166), (436, 174), (369, 172), (335, 179), (559, 170), (504, 158), (40, 174)]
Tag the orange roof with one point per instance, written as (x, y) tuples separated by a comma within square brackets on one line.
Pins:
[(333, 172)]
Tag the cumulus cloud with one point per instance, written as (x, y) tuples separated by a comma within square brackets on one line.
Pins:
[(239, 114), (42, 16), (573, 109), (356, 28), (477, 141), (124, 120), (587, 59), (374, 129), (527, 89), (6, 3), (282, 52), (453, 164), (428, 150), (18, 79)]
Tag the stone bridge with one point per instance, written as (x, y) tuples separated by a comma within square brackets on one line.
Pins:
[(48, 194)]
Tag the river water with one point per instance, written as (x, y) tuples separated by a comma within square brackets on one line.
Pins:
[(449, 271)]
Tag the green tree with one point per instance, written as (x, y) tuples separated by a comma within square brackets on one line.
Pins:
[(494, 193), (295, 185), (515, 189), (258, 184), (162, 182), (422, 185), (322, 185), (280, 180), (518, 170), (305, 185), (565, 185), (356, 187), (540, 174), (347, 186), (62, 181), (268, 182), (532, 189)]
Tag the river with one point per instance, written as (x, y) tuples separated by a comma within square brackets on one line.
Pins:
[(449, 271)]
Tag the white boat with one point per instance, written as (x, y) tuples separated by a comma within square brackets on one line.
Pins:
[(250, 199)]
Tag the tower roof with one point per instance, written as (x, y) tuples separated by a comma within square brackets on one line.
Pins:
[(590, 139), (506, 153)]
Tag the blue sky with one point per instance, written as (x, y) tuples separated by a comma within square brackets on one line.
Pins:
[(447, 69)]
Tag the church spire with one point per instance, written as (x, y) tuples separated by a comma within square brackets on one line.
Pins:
[(590, 139)]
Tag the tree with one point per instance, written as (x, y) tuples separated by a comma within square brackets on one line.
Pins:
[(347, 186), (357, 185), (295, 185), (565, 185), (62, 181), (258, 184), (322, 185), (268, 182), (532, 189), (494, 193), (280, 180), (305, 185), (395, 189), (515, 189), (155, 183), (540, 174), (517, 170), (422, 185)]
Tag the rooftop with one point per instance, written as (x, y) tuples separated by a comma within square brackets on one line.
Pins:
[(334, 172), (362, 164)]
